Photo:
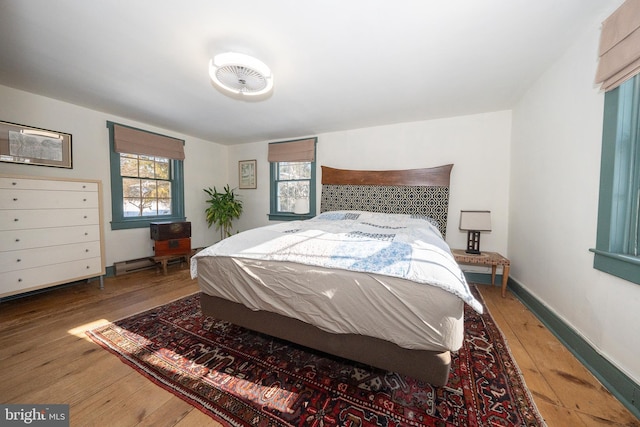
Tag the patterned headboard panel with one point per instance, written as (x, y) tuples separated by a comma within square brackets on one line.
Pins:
[(428, 201), (368, 191)]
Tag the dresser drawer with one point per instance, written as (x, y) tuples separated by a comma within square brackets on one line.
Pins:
[(47, 199), (18, 281), (14, 240), (23, 219), (46, 184), (29, 258)]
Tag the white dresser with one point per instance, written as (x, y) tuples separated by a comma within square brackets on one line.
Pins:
[(51, 232)]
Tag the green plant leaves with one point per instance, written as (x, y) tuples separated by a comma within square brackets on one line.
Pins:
[(223, 208)]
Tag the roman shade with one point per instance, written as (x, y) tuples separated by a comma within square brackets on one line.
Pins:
[(302, 150), (136, 141), (619, 46)]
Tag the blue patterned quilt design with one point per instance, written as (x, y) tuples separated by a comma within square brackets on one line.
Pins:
[(381, 254)]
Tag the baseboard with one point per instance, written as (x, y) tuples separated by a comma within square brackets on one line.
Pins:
[(482, 278), (616, 381)]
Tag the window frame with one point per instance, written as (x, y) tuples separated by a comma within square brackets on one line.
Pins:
[(118, 220), (274, 215), (619, 174)]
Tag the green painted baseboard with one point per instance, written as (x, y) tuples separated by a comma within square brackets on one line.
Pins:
[(482, 278), (617, 382)]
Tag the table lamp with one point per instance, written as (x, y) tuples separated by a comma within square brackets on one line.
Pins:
[(473, 222)]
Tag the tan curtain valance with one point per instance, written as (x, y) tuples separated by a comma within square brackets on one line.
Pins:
[(136, 141), (302, 150), (620, 46)]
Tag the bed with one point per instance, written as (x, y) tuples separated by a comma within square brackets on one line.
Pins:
[(344, 282)]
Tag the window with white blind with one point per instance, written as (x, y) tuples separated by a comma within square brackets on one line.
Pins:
[(617, 248), (293, 179), (146, 177)]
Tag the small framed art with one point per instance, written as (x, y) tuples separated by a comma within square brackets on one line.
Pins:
[(34, 146), (247, 172)]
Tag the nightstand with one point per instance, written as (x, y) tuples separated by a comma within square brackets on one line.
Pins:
[(493, 259)]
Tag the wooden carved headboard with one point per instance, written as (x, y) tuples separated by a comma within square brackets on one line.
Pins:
[(411, 191)]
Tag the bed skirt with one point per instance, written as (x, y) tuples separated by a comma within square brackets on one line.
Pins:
[(429, 366)]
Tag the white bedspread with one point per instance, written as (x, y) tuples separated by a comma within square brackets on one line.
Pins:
[(402, 246)]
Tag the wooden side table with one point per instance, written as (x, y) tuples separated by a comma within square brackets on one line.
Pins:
[(493, 259)]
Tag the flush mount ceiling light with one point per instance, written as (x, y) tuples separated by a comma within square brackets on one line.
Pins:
[(240, 74)]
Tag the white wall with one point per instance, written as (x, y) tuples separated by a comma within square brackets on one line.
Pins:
[(255, 202), (555, 170), (477, 145), (205, 164)]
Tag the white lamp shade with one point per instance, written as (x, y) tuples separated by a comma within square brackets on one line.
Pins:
[(475, 220), (301, 206)]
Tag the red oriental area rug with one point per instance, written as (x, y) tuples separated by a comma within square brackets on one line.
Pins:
[(241, 378)]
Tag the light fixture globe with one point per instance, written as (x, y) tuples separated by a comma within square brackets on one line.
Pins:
[(240, 74)]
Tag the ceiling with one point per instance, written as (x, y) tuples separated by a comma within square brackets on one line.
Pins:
[(337, 64)]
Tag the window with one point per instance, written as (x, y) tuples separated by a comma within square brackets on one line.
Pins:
[(618, 241), (293, 183), (146, 185), (146, 179)]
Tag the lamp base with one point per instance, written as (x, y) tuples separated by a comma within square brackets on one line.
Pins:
[(473, 242)]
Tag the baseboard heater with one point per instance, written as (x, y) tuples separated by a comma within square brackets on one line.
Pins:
[(130, 266), (125, 267)]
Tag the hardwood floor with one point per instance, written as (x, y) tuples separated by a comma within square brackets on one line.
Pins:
[(564, 391), (46, 358)]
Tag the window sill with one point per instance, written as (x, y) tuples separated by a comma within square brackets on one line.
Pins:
[(626, 267), (289, 217)]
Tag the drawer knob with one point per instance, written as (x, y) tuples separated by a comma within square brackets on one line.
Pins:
[(14, 183), (17, 240), (16, 220), (84, 200), (15, 199), (19, 280), (88, 267), (86, 234), (85, 217), (18, 260), (86, 250)]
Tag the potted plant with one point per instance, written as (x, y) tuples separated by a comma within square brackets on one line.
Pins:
[(223, 208)]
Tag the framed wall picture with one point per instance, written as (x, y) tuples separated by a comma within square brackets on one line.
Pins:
[(34, 146), (247, 171)]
